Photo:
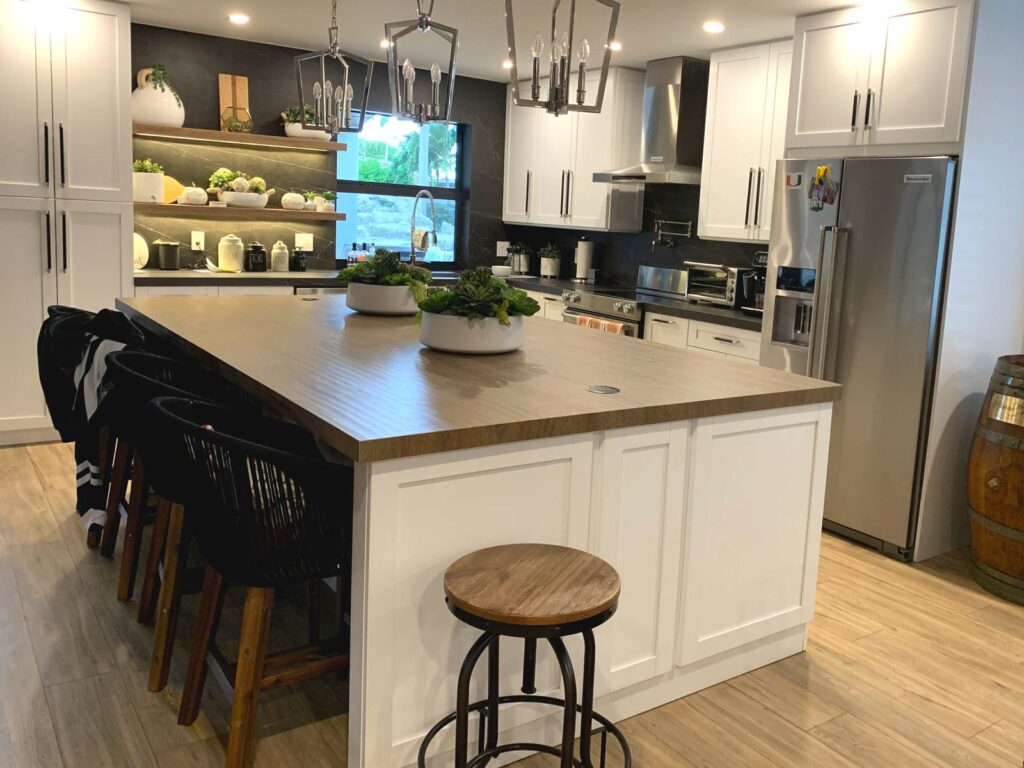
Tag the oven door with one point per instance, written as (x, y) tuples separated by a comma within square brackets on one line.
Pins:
[(601, 322), (712, 284)]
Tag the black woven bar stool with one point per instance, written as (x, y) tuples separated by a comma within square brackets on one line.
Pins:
[(536, 592), (267, 511)]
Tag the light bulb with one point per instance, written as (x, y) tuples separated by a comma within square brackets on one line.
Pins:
[(556, 51), (538, 46), (435, 73), (584, 50), (349, 92), (408, 71), (564, 45)]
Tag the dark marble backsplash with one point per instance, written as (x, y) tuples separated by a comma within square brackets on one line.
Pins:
[(618, 255)]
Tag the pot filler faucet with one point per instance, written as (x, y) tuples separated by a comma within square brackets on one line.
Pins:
[(412, 224)]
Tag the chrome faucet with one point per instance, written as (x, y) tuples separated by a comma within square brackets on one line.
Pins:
[(412, 224)]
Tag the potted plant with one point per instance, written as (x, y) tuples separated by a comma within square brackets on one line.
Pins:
[(154, 101), (550, 261), (292, 119), (147, 181), (384, 285), (238, 189), (480, 315)]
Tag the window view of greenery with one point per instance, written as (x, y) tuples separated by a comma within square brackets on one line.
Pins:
[(391, 151)]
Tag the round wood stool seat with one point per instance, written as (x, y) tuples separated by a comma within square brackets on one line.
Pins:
[(532, 585)]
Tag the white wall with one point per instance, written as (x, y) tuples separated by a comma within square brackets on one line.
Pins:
[(985, 297)]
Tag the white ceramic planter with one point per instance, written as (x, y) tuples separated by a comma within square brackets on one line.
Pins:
[(484, 336), (380, 299), (296, 131), (151, 106), (243, 199), (147, 187)]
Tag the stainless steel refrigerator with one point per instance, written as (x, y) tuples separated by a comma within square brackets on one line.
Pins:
[(854, 294)]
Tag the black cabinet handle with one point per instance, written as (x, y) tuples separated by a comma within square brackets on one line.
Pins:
[(561, 199), (867, 110), (529, 178), (63, 173), (726, 340), (853, 115), (750, 183), (49, 245), (64, 238), (568, 193), (757, 201), (664, 322), (46, 154)]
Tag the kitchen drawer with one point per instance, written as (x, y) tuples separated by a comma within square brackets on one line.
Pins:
[(550, 305), (663, 329), (734, 342), (175, 290)]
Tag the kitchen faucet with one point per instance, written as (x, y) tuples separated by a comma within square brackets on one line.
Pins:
[(412, 224)]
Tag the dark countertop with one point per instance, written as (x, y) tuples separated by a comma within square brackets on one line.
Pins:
[(315, 278), (710, 313)]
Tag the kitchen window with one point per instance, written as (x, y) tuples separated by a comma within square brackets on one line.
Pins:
[(386, 164)]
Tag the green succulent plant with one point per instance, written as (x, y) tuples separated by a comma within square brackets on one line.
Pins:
[(479, 294), (146, 166), (294, 114), (387, 268)]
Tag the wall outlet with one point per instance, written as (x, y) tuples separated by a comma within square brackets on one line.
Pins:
[(198, 241), (304, 240), (501, 252)]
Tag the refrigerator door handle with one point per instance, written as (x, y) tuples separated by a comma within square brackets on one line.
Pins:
[(820, 361)]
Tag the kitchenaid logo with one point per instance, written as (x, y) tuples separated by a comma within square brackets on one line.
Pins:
[(917, 178)]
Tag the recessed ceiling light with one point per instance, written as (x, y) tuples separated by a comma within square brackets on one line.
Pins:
[(238, 18), (506, 64), (384, 43), (615, 45), (714, 27)]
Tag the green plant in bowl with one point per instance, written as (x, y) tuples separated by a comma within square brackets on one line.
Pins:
[(386, 267), (294, 114), (478, 294), (146, 166)]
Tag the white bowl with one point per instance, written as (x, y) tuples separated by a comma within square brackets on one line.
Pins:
[(380, 299), (296, 131), (243, 199), (483, 336), (501, 271)]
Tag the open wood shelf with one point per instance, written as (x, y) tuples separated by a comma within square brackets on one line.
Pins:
[(241, 139), (248, 214)]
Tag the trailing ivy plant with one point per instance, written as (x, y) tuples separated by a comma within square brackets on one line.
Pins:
[(146, 166), (479, 294), (158, 77), (387, 268)]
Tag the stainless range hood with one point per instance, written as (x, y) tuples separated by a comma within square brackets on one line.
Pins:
[(672, 146)]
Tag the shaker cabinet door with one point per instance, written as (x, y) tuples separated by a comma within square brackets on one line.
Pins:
[(552, 159), (773, 137), (520, 134), (91, 102), (27, 289), (918, 73), (94, 245), (25, 158), (826, 105)]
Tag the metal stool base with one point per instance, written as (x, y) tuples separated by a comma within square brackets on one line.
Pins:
[(484, 756)]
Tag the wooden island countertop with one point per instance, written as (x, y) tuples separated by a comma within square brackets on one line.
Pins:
[(368, 388)]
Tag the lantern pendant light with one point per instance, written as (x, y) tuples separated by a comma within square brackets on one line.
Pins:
[(402, 73), (332, 104), (558, 100)]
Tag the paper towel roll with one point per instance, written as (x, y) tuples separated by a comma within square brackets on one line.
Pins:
[(421, 239)]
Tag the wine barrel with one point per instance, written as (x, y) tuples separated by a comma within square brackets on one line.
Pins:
[(995, 484)]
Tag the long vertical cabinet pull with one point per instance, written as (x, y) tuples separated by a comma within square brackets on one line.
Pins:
[(64, 239), (63, 173), (529, 179), (856, 104), (561, 199), (568, 194), (750, 183), (46, 154), (49, 245), (757, 200), (867, 110)]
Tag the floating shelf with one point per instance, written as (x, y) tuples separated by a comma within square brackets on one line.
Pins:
[(239, 139), (248, 214)]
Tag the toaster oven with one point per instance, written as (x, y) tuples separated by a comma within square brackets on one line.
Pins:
[(713, 284)]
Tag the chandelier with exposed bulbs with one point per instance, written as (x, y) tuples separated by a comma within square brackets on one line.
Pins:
[(402, 73)]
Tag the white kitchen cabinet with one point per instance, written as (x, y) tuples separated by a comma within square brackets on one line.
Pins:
[(67, 126), (89, 238), (665, 329), (551, 305), (550, 161), (864, 76), (747, 545), (28, 287), (639, 517), (732, 342), (743, 138)]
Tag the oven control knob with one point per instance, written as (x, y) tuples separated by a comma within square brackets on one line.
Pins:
[(576, 298), (565, 297), (617, 306), (628, 309)]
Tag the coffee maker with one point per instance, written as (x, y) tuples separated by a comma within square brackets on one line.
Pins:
[(753, 282)]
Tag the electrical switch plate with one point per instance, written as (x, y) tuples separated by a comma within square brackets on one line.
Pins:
[(304, 240), (198, 241)]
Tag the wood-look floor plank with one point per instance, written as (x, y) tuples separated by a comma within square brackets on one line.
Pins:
[(1005, 739), (27, 738), (790, 702), (299, 747), (867, 746), (54, 464), (26, 517), (700, 740), (96, 724)]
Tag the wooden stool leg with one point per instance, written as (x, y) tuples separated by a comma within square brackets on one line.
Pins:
[(170, 599), (210, 605), (252, 653), (133, 531), (148, 596), (115, 493)]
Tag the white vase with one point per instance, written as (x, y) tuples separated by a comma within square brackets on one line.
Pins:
[(380, 299), (147, 187), (483, 336), (296, 131), (151, 106)]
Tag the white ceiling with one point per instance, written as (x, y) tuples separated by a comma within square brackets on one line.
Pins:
[(648, 29)]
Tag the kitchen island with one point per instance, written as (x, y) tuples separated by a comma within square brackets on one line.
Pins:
[(701, 481)]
